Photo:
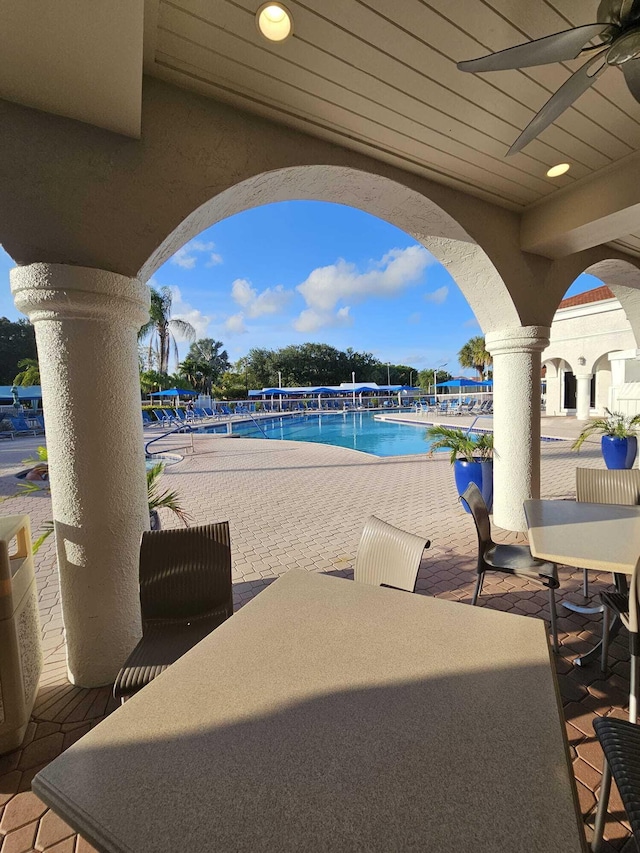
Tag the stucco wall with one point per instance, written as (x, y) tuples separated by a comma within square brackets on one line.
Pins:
[(585, 332), (80, 195)]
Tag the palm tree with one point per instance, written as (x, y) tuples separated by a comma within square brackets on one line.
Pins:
[(474, 354), (205, 363), (161, 328), (29, 372)]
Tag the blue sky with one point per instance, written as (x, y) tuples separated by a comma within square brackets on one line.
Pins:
[(302, 271)]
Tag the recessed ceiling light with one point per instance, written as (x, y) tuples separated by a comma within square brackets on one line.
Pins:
[(560, 169), (274, 21)]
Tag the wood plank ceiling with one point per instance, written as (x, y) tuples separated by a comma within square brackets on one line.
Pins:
[(380, 76)]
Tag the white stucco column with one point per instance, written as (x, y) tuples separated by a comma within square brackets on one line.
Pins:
[(583, 395), (516, 420), (86, 323)]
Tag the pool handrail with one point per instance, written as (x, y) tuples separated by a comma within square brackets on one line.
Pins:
[(475, 420), (182, 427), (258, 424)]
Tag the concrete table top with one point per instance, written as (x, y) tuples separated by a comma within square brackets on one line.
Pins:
[(605, 537), (328, 715)]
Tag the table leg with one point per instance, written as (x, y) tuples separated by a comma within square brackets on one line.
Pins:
[(614, 628)]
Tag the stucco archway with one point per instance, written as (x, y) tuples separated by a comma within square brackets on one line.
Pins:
[(468, 263), (619, 272)]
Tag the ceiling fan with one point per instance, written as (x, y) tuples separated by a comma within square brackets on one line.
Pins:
[(618, 34)]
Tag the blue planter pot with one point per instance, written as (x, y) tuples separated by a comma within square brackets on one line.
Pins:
[(619, 452), (480, 473)]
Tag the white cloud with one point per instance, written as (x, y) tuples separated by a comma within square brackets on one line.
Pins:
[(471, 323), (438, 296), (326, 286), (182, 310), (310, 320), (234, 325), (273, 300), (187, 256), (414, 318)]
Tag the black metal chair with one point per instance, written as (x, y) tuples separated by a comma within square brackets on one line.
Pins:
[(515, 560), (620, 741), (626, 607), (185, 593)]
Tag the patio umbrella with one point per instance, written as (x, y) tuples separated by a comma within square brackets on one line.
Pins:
[(175, 392), (464, 382)]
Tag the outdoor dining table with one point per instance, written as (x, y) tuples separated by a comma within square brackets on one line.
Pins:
[(328, 715), (602, 537)]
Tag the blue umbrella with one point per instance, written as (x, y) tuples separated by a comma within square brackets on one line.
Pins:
[(459, 383), (175, 392)]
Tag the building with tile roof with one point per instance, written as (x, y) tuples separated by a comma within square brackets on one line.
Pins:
[(591, 362)]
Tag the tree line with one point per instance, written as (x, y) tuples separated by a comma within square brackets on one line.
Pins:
[(206, 367)]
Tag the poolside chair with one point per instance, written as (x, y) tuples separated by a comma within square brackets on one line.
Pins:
[(161, 417), (185, 593), (627, 608), (5, 428), (516, 560), (606, 486), (620, 743), (388, 556), (20, 426), (147, 420)]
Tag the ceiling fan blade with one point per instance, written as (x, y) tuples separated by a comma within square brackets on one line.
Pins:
[(569, 92), (631, 71), (559, 47)]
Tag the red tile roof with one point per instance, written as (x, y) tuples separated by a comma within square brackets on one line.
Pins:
[(595, 295)]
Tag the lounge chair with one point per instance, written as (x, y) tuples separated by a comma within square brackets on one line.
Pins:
[(161, 417), (147, 420), (19, 425), (185, 593), (388, 556), (516, 560), (5, 429)]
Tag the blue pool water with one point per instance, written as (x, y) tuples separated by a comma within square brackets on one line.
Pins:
[(355, 430)]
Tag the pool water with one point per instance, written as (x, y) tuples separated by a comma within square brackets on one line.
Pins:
[(355, 430)]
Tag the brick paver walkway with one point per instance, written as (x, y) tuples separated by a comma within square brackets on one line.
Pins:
[(304, 505)]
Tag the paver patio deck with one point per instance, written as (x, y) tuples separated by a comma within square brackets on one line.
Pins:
[(296, 505)]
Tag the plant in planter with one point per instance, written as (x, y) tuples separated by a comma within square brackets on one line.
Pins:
[(167, 500), (619, 441), (471, 456), (157, 500)]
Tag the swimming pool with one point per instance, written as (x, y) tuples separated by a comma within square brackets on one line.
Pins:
[(355, 430)]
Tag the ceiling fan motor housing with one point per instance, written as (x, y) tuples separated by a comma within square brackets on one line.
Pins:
[(625, 47)]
